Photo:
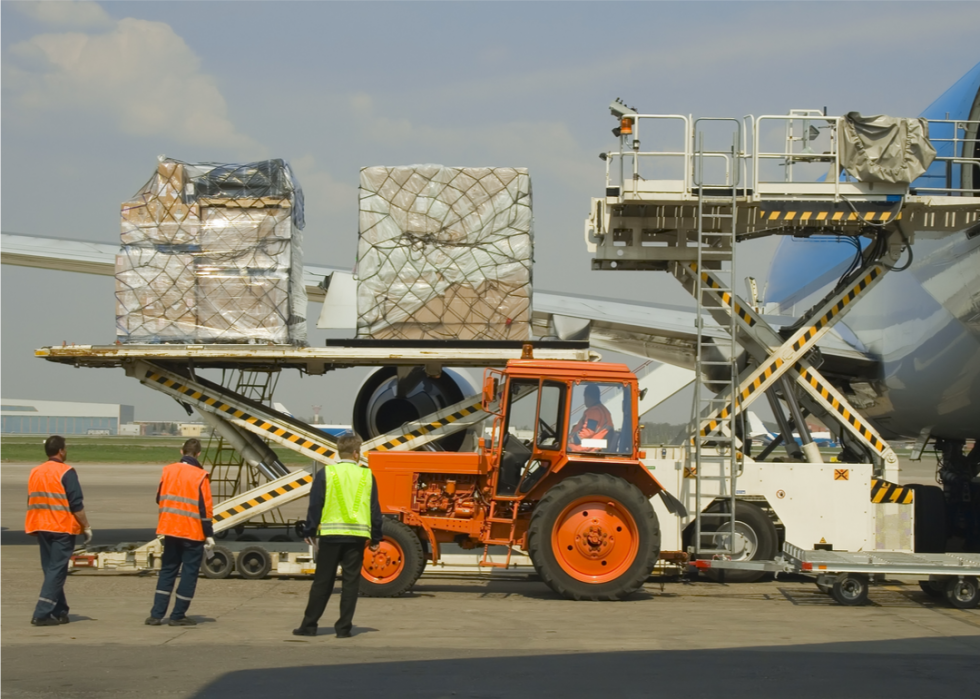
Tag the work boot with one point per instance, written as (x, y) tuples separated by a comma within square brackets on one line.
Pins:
[(153, 621), (343, 634), (46, 621), (183, 621), (63, 618), (304, 632)]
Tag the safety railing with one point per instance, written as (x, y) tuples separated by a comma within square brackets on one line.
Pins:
[(795, 154), (956, 169)]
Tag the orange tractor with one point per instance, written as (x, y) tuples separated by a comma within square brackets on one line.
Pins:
[(559, 477)]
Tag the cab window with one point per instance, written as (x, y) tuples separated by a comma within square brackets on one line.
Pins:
[(601, 418)]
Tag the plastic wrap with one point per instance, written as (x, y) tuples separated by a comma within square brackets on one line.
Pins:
[(213, 253), (444, 253)]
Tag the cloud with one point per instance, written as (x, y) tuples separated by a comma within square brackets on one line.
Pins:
[(140, 74), (67, 14), (322, 191)]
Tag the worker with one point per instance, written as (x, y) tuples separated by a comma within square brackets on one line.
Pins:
[(185, 511), (55, 515), (344, 512), (596, 423)]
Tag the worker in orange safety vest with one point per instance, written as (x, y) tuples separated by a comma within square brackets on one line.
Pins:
[(185, 512), (55, 515)]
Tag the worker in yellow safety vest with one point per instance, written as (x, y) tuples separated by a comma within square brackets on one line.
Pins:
[(345, 514), (185, 512), (55, 515)]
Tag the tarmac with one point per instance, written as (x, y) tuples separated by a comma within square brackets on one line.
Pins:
[(463, 637)]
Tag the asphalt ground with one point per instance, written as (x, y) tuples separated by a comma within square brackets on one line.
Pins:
[(463, 638)]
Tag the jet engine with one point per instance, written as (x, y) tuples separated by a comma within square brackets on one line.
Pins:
[(392, 396)]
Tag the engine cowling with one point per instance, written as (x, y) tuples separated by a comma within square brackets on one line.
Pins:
[(385, 402)]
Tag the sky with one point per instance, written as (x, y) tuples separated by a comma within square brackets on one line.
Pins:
[(93, 93)]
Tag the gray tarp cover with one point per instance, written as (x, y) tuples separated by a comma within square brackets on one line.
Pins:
[(885, 149)]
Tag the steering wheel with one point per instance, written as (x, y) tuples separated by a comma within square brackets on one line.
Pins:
[(546, 429)]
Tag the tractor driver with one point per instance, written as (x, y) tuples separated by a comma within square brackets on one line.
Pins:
[(596, 422)]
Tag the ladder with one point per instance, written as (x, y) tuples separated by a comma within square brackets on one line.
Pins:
[(715, 456)]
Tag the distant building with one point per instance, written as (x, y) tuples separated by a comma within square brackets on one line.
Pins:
[(26, 416), (191, 429)]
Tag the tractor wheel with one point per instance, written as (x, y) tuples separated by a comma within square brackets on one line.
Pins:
[(594, 537), (755, 539), (396, 565)]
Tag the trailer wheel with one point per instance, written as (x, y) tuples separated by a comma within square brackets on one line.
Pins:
[(755, 536), (595, 537), (396, 565), (963, 593), (850, 589), (254, 563), (220, 565)]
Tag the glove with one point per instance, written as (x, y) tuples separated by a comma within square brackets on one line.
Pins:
[(373, 545), (209, 542), (88, 536)]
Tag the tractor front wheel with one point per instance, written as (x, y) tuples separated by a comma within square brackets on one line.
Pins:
[(595, 537), (393, 568)]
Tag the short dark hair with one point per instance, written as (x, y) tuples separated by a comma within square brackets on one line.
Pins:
[(349, 445), (54, 444), (192, 447)]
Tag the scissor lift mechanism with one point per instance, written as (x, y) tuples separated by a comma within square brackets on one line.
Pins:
[(689, 225)]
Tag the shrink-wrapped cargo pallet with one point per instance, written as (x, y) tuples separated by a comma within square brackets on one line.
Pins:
[(213, 253), (444, 253)]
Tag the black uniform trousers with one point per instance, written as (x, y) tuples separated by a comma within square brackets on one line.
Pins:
[(351, 557), (183, 556), (56, 551)]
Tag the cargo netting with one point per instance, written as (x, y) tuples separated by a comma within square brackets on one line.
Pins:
[(213, 253), (444, 253)]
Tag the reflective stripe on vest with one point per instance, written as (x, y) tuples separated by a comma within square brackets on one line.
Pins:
[(47, 501), (179, 511), (347, 502)]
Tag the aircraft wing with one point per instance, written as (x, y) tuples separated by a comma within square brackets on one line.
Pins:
[(100, 258)]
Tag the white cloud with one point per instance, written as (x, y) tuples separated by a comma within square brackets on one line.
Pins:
[(68, 14), (141, 75), (323, 192)]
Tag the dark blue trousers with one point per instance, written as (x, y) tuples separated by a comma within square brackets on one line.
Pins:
[(56, 550), (183, 556)]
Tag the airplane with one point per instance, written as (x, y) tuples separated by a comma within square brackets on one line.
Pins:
[(908, 355), (757, 430)]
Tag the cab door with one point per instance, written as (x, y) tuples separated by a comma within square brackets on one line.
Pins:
[(534, 434)]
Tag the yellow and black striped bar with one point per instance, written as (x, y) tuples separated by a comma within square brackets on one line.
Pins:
[(262, 498), (836, 309), (725, 296), (431, 427), (852, 419), (802, 214), (326, 450), (756, 384), (883, 491)]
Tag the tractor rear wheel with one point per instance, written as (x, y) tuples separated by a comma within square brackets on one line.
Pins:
[(394, 567), (595, 537)]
